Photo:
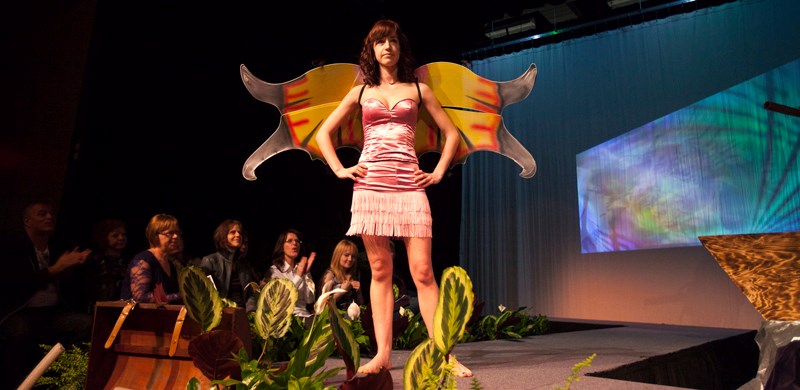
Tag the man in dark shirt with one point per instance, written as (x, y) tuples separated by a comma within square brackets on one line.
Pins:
[(33, 308)]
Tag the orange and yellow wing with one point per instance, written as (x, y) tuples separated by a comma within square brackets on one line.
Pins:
[(304, 103), (474, 105)]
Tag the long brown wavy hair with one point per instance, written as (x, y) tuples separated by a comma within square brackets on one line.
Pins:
[(221, 236), (369, 65)]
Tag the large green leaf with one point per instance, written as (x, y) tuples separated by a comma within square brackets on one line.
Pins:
[(311, 355), (316, 347), (423, 366), (320, 347), (275, 306), (454, 309), (345, 340), (201, 299)]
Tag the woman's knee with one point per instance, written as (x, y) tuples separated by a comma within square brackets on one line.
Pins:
[(381, 269), (423, 276)]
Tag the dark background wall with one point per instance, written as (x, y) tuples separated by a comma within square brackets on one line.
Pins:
[(44, 47), (126, 110)]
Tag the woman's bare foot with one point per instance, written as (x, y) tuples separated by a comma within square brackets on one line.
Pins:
[(459, 369), (374, 366)]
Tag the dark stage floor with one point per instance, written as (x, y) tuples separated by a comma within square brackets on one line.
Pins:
[(629, 356)]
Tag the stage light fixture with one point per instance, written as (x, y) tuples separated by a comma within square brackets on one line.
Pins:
[(621, 3), (502, 29)]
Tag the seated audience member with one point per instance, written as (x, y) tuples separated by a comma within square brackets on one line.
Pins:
[(343, 273), (228, 267), (285, 265), (34, 309), (178, 256), (152, 277), (107, 264)]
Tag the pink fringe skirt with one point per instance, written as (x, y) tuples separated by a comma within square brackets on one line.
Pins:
[(387, 202)]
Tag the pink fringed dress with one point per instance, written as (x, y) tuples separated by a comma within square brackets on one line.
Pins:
[(387, 202)]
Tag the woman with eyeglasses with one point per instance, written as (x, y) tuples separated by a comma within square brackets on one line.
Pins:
[(151, 276), (286, 265)]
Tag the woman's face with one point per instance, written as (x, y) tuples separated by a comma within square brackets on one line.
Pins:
[(235, 237), (291, 247), (387, 50), (348, 259), (117, 239), (169, 240)]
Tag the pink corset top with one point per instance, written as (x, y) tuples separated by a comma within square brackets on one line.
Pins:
[(389, 132)]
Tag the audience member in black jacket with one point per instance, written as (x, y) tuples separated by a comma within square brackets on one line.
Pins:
[(34, 307)]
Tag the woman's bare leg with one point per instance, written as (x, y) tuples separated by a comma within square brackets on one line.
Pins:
[(381, 301), (421, 266)]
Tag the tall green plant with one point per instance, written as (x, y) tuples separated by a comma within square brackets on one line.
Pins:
[(69, 370), (509, 324), (413, 333), (274, 309), (304, 370), (278, 349), (427, 366), (211, 351), (200, 298)]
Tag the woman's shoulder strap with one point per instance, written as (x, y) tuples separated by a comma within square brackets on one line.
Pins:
[(361, 93), (419, 93)]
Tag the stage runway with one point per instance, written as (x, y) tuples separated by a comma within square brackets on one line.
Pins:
[(636, 356)]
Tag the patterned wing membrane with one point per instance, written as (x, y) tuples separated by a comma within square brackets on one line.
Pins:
[(474, 104), (304, 103)]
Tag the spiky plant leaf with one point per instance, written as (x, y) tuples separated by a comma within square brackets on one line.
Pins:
[(320, 347), (311, 355), (345, 340), (275, 306), (454, 308), (423, 366), (201, 299), (315, 348)]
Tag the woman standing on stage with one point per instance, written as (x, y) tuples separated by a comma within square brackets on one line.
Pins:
[(389, 199)]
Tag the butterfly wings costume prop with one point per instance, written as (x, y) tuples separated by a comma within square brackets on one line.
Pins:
[(473, 103)]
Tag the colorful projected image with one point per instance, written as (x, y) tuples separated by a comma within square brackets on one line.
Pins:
[(724, 165)]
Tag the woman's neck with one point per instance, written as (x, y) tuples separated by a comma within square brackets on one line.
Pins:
[(159, 253), (163, 259), (389, 76)]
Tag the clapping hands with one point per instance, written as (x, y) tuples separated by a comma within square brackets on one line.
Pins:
[(69, 259), (303, 266)]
